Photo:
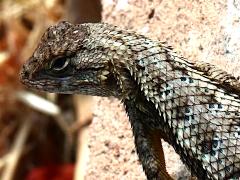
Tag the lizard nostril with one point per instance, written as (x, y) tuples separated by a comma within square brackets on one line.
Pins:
[(24, 74)]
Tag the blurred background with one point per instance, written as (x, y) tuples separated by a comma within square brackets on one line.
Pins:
[(64, 137)]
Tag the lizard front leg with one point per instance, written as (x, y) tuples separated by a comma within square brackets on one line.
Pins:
[(148, 144)]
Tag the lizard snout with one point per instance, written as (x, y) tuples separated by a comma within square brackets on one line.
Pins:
[(25, 73)]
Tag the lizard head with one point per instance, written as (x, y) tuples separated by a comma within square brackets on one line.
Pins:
[(66, 62)]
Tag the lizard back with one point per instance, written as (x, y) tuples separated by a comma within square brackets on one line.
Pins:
[(201, 108), (198, 102)]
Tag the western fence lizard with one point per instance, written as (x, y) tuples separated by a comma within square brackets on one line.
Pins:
[(195, 107)]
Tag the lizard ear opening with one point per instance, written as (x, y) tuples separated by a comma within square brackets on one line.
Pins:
[(59, 64)]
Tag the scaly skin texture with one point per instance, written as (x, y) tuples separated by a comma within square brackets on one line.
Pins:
[(195, 107)]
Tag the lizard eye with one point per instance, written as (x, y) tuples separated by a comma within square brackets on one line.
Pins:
[(59, 64)]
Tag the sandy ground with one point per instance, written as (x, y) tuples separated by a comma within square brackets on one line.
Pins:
[(112, 152)]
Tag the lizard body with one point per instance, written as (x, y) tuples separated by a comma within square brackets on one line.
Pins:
[(195, 107)]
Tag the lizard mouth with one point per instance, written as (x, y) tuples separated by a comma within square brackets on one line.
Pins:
[(71, 81)]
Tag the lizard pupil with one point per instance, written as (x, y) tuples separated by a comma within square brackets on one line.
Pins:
[(59, 64)]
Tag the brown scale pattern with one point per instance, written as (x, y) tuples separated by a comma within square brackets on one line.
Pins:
[(194, 106), (199, 119)]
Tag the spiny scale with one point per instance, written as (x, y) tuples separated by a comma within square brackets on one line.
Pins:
[(197, 106), (207, 123), (202, 113)]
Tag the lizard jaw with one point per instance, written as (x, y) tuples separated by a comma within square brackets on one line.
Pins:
[(96, 83)]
